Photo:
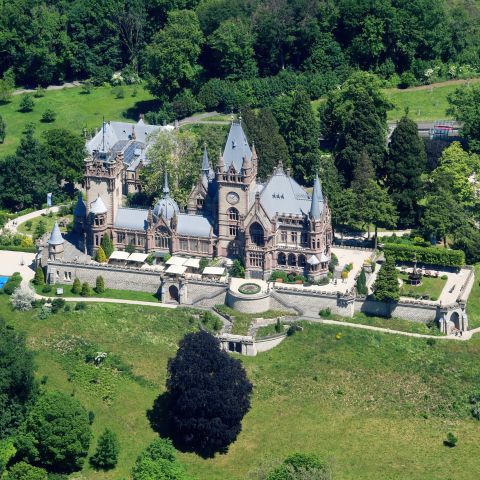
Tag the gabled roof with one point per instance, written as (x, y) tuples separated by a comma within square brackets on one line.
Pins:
[(236, 147), (193, 225), (131, 218), (56, 236), (282, 194)]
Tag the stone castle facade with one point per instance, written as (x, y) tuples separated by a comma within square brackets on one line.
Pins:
[(272, 225)]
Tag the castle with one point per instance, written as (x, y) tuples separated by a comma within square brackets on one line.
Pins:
[(269, 226)]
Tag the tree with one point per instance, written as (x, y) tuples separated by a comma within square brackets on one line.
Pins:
[(106, 455), (39, 278), (344, 210), (232, 50), (26, 103), (65, 153), (76, 287), (386, 288), (7, 84), (49, 115), (262, 130), (361, 285), (354, 120), (40, 229), (171, 59), (100, 256), (107, 245), (465, 106), (57, 433), (238, 270), (17, 383), (406, 162), (303, 137), (22, 298), (24, 471), (86, 291), (301, 466), (209, 394), (3, 129), (158, 461), (100, 284), (467, 238), (7, 452)]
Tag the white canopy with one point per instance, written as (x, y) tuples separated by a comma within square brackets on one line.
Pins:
[(119, 255), (176, 261), (176, 269), (213, 271), (192, 262), (138, 257), (313, 260)]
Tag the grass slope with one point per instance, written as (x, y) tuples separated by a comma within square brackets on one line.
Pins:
[(377, 405), (48, 220), (75, 111)]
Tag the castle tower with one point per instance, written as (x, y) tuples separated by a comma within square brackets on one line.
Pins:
[(97, 221), (56, 244), (79, 215), (236, 179)]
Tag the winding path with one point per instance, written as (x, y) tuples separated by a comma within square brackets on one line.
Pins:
[(12, 224)]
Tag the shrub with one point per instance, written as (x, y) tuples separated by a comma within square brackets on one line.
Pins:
[(12, 284), (87, 88), (362, 283), (91, 417), (301, 466), (100, 285), (57, 304), (106, 455), (86, 291), (80, 306), (238, 270), (100, 256), (22, 298), (26, 104), (24, 471), (39, 278), (278, 275), (444, 277), (428, 255), (333, 263), (107, 245), (325, 312), (76, 287), (278, 326), (119, 92), (203, 263), (49, 116), (451, 440), (39, 92), (28, 225), (27, 242), (47, 288)]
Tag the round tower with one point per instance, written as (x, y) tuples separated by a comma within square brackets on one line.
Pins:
[(79, 215), (56, 244), (97, 219)]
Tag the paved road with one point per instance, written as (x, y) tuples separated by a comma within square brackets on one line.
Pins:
[(50, 87), (13, 224)]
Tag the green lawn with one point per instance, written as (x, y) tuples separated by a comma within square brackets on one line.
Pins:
[(473, 305), (430, 286), (378, 406), (75, 111), (108, 293), (49, 223)]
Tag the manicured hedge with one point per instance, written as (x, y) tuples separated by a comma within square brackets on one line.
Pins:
[(18, 248), (429, 255)]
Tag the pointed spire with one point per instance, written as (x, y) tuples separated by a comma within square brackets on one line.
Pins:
[(149, 216), (166, 189), (220, 163), (316, 199), (206, 161), (80, 209), (56, 236)]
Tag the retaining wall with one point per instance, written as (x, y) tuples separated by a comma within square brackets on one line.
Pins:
[(258, 303)]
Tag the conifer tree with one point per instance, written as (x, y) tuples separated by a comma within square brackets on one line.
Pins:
[(100, 285), (106, 455), (100, 256), (107, 245), (386, 288), (39, 278), (76, 287), (303, 137), (362, 283), (86, 291), (3, 129), (406, 162)]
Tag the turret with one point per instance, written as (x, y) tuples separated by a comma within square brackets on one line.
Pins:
[(56, 244), (317, 198), (79, 214)]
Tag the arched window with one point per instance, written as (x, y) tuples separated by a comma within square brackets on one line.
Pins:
[(233, 214), (281, 259), (257, 235), (301, 260), (292, 260), (162, 238)]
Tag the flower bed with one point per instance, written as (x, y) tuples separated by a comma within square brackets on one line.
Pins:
[(249, 288)]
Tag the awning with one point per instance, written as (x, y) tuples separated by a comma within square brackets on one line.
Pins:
[(119, 255), (138, 257), (324, 258), (313, 260), (176, 269), (213, 271), (176, 261), (192, 262)]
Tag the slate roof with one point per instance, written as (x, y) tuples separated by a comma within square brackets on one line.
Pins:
[(56, 236), (193, 225), (166, 206), (131, 218), (80, 209), (282, 194), (236, 148), (98, 206), (316, 206)]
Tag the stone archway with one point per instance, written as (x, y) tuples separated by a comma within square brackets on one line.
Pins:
[(173, 294), (455, 320), (257, 234)]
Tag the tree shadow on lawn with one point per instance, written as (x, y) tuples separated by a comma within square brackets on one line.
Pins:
[(161, 423), (142, 107)]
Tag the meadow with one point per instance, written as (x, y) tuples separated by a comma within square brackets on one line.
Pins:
[(375, 405)]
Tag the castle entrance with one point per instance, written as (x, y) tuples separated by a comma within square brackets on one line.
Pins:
[(173, 293)]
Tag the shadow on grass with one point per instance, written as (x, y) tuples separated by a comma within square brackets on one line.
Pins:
[(142, 107), (161, 423)]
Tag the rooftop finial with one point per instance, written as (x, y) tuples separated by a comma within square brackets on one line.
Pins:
[(103, 134), (166, 189)]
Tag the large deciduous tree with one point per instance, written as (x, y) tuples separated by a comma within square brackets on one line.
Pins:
[(171, 59), (232, 48), (17, 384), (354, 120), (406, 162), (209, 394), (57, 433)]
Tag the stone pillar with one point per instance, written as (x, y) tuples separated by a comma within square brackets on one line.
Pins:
[(182, 291)]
